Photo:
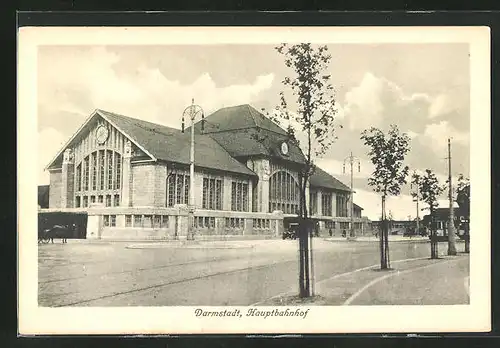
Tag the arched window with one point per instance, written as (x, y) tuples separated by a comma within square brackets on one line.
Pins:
[(98, 174), (283, 193)]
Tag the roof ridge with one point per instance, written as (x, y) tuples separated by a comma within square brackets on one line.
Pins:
[(137, 119)]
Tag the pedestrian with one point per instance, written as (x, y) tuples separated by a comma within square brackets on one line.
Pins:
[(330, 232)]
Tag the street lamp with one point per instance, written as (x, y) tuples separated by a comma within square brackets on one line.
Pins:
[(192, 111), (351, 160), (415, 192)]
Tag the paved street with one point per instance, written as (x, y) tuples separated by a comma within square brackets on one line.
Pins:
[(100, 273)]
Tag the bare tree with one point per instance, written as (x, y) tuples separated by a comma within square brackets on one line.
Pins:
[(387, 153), (313, 116), (430, 190), (463, 201)]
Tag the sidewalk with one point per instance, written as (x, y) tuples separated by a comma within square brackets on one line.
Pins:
[(376, 239), (410, 282)]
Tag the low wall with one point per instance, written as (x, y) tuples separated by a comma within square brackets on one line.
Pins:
[(146, 223)]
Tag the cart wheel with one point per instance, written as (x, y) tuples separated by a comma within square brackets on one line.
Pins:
[(45, 240)]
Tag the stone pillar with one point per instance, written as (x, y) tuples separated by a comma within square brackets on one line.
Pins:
[(250, 192), (126, 175), (68, 179), (264, 189), (308, 198), (182, 221), (334, 204), (94, 221), (320, 207)]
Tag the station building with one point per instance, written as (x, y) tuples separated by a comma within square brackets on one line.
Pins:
[(131, 178)]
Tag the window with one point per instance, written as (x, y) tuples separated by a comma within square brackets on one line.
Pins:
[(326, 204), (100, 199), (147, 221), (78, 178), (341, 205), (106, 220), (86, 174), (313, 203), (94, 171), (212, 194), (113, 220), (178, 189), (108, 200), (85, 201), (117, 200), (109, 157), (157, 221), (283, 193), (77, 202), (239, 196), (118, 170), (128, 220), (235, 223), (344, 225), (137, 220), (330, 224), (101, 170), (164, 221)]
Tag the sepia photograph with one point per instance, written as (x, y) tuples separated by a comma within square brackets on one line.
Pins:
[(254, 180)]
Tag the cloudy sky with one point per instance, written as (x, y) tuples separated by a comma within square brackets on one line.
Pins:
[(423, 88)]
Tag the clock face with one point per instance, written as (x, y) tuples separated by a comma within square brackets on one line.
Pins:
[(102, 134), (284, 149)]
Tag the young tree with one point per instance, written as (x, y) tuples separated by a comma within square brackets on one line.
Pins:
[(430, 190), (313, 118), (463, 201), (387, 153)]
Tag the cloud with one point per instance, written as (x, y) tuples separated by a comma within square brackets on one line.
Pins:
[(143, 92), (436, 136)]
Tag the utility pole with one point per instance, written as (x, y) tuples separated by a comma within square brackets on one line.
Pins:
[(351, 160), (191, 111), (452, 250)]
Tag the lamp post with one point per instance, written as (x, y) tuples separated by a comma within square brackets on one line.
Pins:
[(416, 197), (351, 160), (192, 111)]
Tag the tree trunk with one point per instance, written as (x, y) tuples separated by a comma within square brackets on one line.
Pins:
[(383, 238), (434, 245), (304, 270)]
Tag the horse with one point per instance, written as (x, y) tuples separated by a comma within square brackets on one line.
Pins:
[(57, 231)]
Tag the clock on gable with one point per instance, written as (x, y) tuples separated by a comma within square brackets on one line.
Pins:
[(284, 148), (102, 134)]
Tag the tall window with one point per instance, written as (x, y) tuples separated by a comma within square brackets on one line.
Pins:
[(313, 203), (326, 204), (86, 174), (101, 169), (212, 194), (109, 155), (239, 196), (178, 189), (283, 193), (341, 205), (94, 171), (78, 177), (118, 171), (91, 175)]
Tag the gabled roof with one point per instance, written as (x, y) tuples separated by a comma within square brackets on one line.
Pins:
[(258, 142), (238, 117), (357, 206), (169, 144), (243, 132), (320, 178)]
